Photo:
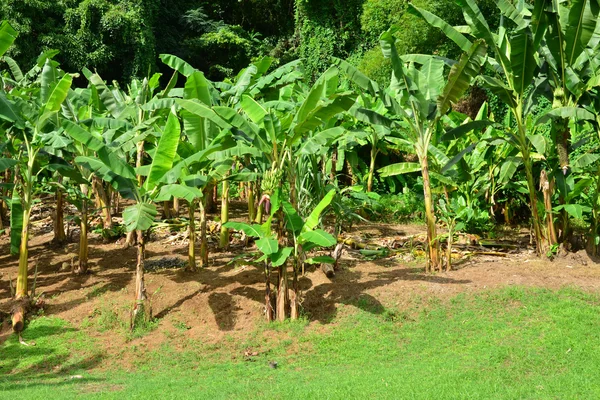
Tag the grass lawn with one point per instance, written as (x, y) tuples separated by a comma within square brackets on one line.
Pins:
[(506, 344)]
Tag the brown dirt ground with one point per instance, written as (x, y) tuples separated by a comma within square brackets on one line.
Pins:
[(227, 299)]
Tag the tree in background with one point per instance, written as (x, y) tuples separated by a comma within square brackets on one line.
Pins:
[(416, 36), (327, 29)]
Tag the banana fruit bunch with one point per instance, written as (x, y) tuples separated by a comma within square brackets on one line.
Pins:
[(271, 180)]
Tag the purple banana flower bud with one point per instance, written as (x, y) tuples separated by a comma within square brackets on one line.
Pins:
[(267, 200)]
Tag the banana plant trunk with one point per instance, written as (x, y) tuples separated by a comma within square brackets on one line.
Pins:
[(334, 157), (562, 135), (433, 260), (259, 208), (282, 293), (167, 214), (547, 189), (294, 294), (142, 311), (224, 237), (351, 174), (115, 197), (449, 251), (192, 238), (203, 242), (176, 207), (541, 243), (251, 205), (293, 190), (102, 202), (594, 232), (83, 236), (371, 169), (268, 302), (22, 274), (59, 220)]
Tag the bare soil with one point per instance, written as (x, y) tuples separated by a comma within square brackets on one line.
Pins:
[(227, 298)]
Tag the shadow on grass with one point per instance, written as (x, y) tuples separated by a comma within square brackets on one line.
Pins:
[(50, 362)]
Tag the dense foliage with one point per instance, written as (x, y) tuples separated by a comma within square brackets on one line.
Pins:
[(499, 121)]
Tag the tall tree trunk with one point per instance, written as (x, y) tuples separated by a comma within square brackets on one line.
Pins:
[(192, 238), (141, 311), (433, 260), (224, 237), (83, 236), (59, 221), (203, 239)]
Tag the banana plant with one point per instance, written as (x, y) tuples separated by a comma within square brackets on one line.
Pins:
[(127, 116), (415, 104), (279, 127), (191, 178), (571, 59), (35, 120), (570, 53), (304, 237), (254, 82), (140, 216), (515, 64), (208, 136)]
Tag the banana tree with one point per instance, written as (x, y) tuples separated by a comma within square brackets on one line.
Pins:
[(35, 111), (254, 82), (207, 134), (39, 118), (127, 116), (514, 61), (279, 127), (305, 237), (571, 59), (570, 52), (191, 177), (138, 217), (415, 103)]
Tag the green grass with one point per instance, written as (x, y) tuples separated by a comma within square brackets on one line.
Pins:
[(504, 344)]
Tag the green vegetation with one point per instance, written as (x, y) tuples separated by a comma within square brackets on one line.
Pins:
[(320, 115), (509, 343)]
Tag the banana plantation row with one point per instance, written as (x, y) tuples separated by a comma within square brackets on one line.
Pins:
[(288, 142)]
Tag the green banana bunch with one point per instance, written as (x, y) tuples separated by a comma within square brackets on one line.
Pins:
[(271, 180)]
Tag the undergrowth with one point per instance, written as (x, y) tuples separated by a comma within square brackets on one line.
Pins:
[(510, 343)]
